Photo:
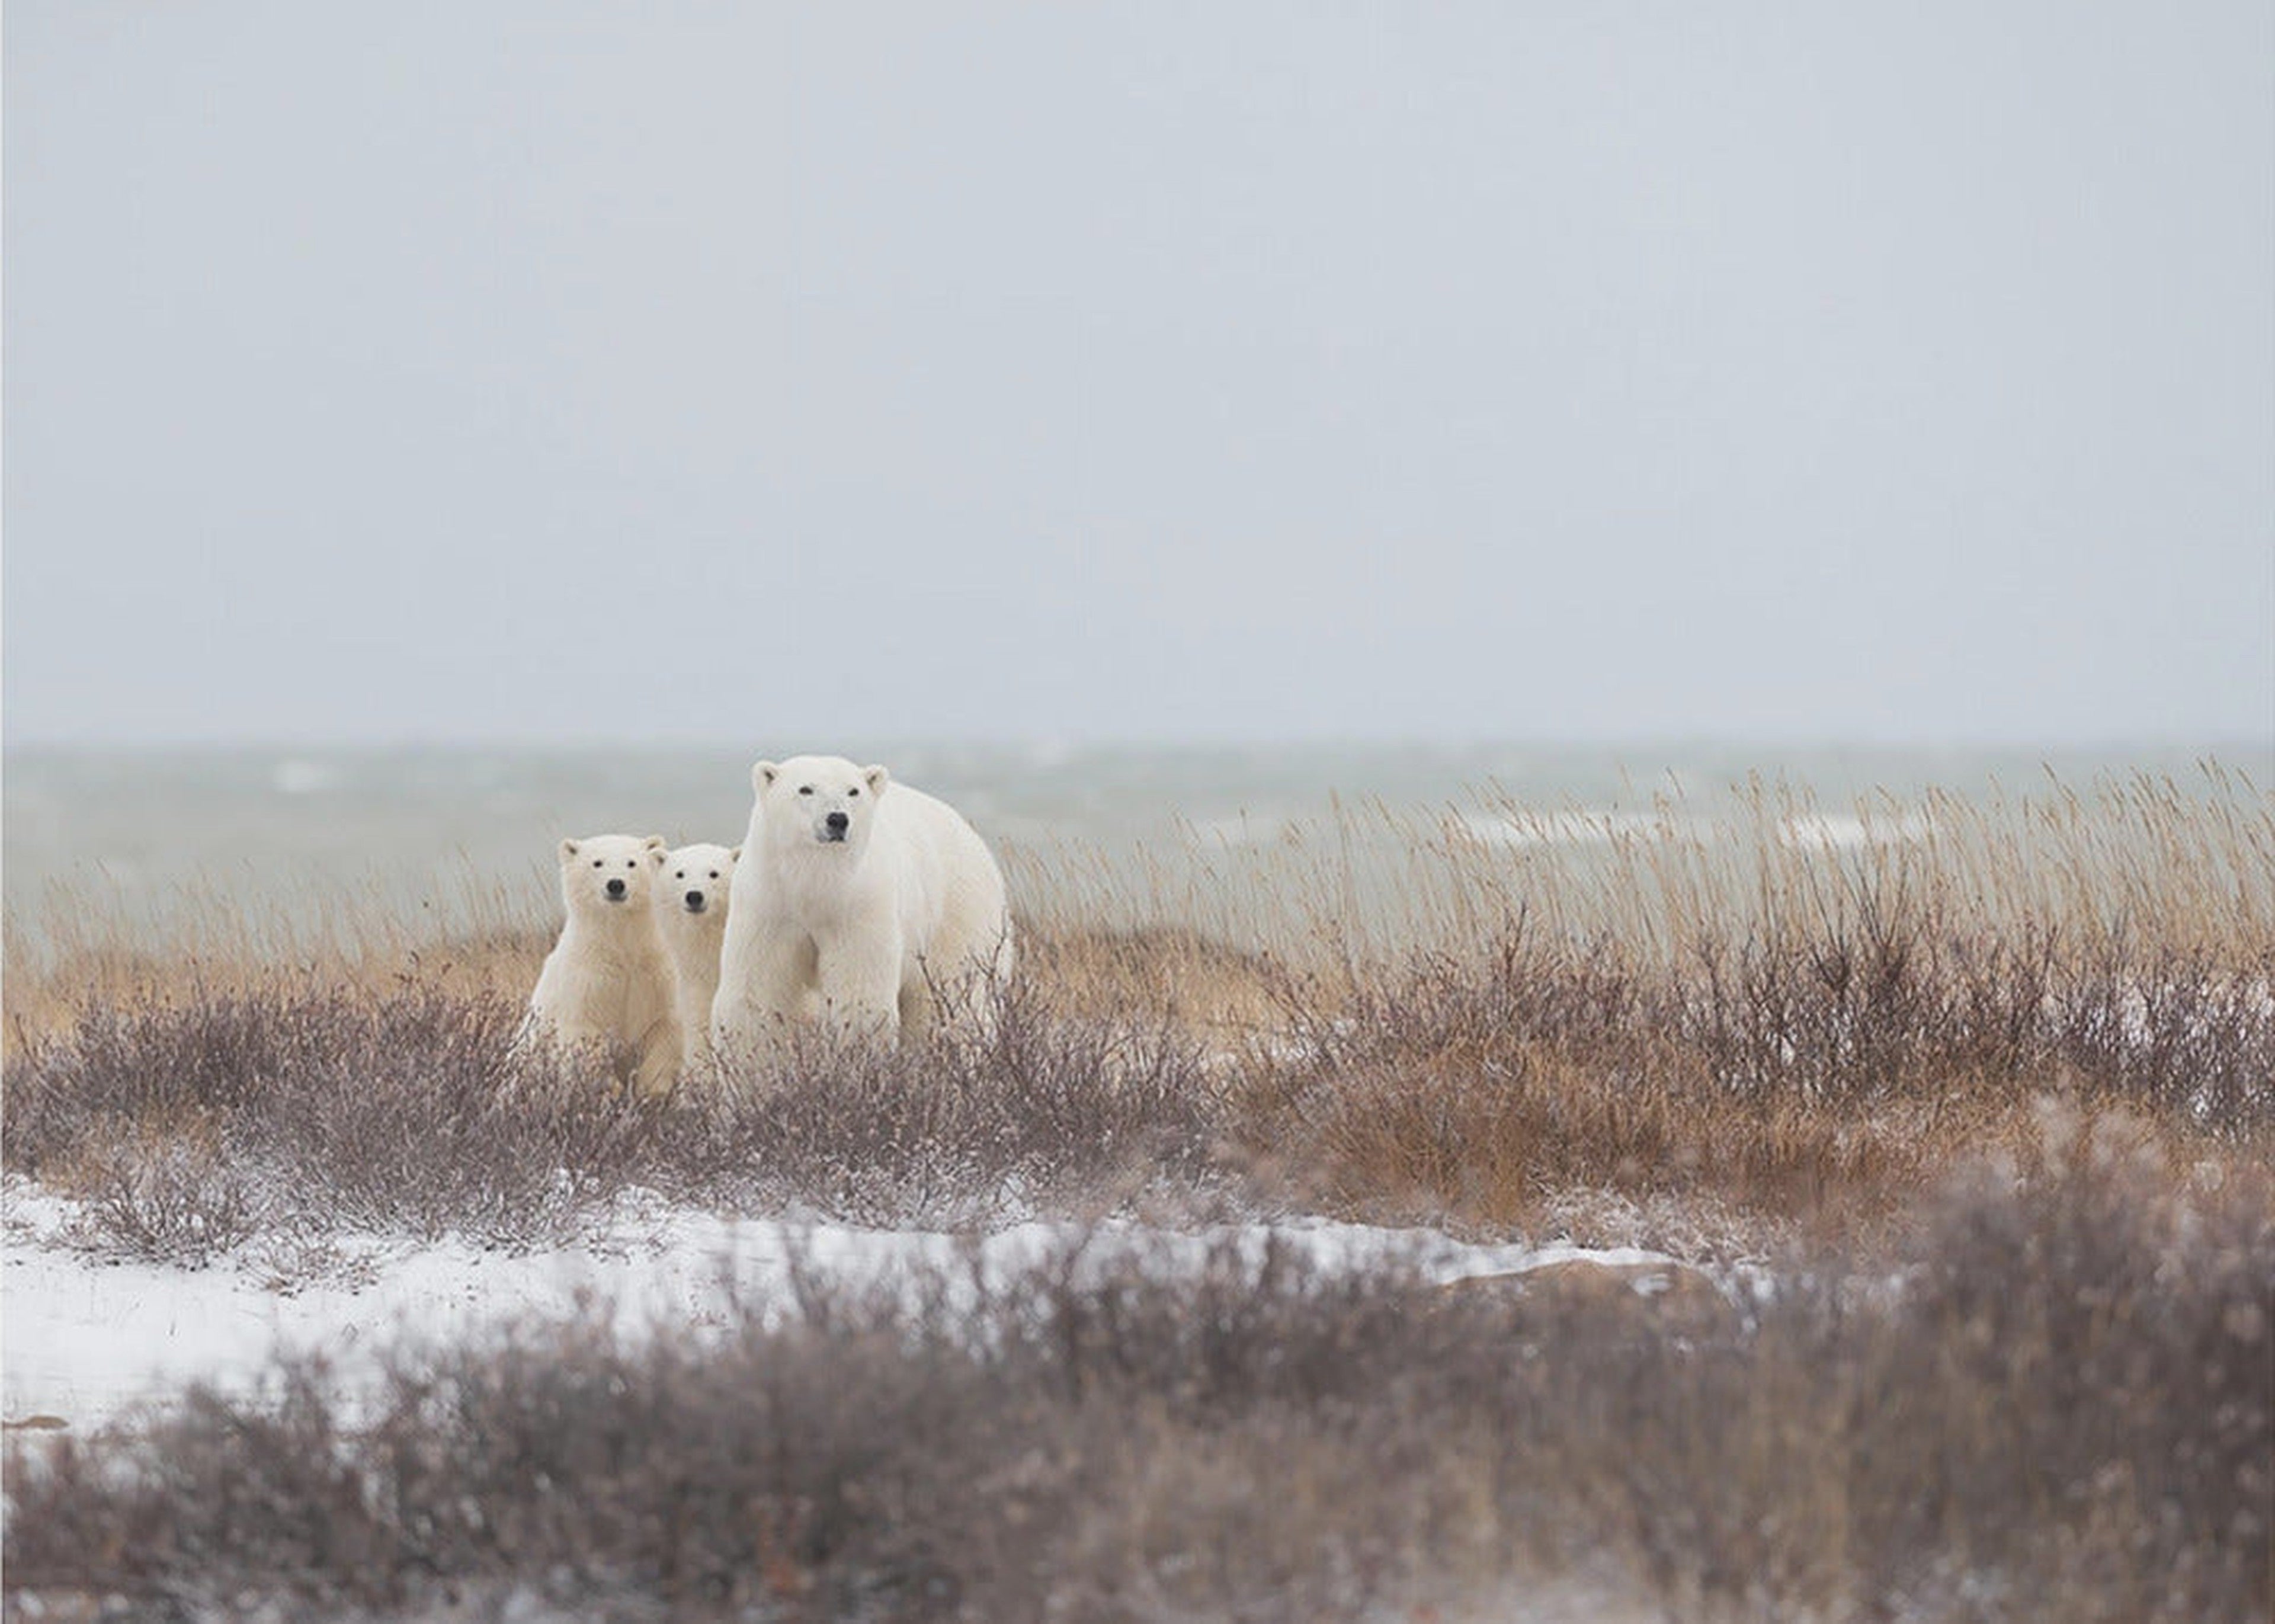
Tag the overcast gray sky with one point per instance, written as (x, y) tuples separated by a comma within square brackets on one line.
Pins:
[(547, 370)]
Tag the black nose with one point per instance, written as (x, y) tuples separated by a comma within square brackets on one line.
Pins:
[(615, 887), (695, 900), (837, 822)]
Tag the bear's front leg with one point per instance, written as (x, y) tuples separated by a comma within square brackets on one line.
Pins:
[(858, 976), (762, 991), (661, 1053)]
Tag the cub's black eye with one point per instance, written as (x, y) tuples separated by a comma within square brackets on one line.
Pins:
[(629, 863), (807, 789), (596, 861), (853, 792), (715, 873), (682, 874)]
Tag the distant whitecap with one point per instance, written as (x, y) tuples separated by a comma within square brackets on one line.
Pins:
[(298, 777)]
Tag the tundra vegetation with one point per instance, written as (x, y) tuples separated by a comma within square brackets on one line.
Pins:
[(1968, 1104)]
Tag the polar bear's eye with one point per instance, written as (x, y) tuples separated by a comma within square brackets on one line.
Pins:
[(715, 873), (807, 789), (680, 874), (596, 861), (856, 791)]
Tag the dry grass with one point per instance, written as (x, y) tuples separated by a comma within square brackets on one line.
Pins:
[(1827, 1076), (2062, 1413), (2015, 1060), (79, 952), (1499, 1019), (1511, 1019)]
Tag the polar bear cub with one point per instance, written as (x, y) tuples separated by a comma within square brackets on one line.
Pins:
[(856, 898), (691, 915), (606, 981)]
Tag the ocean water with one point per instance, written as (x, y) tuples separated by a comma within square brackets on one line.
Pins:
[(146, 839)]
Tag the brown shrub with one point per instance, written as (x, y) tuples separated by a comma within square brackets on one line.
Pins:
[(1824, 1074), (315, 1107), (2062, 1412)]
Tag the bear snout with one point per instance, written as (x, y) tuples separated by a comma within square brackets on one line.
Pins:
[(836, 823), (616, 890), (696, 902)]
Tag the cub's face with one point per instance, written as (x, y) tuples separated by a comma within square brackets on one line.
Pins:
[(818, 802), (603, 873), (694, 879)]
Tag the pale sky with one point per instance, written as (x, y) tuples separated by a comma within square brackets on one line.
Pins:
[(437, 370)]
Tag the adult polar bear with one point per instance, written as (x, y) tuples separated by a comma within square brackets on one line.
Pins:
[(856, 901)]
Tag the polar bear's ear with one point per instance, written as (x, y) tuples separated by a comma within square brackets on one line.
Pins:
[(876, 778), (567, 849), (736, 855), (763, 775), (655, 842)]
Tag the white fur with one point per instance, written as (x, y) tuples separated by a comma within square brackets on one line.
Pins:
[(690, 915), (607, 983), (855, 926)]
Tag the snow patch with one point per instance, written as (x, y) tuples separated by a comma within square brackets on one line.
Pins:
[(93, 1340)]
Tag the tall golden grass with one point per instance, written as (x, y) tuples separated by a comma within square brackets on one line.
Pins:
[(1509, 1016), (1512, 1016), (2123, 868), (77, 948)]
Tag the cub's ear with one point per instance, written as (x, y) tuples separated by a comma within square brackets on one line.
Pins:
[(736, 855), (655, 842), (764, 775), (876, 778), (567, 849)]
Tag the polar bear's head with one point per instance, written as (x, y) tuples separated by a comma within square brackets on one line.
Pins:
[(693, 879), (823, 802), (604, 873)]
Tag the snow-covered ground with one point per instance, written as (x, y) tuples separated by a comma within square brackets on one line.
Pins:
[(89, 1340)]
